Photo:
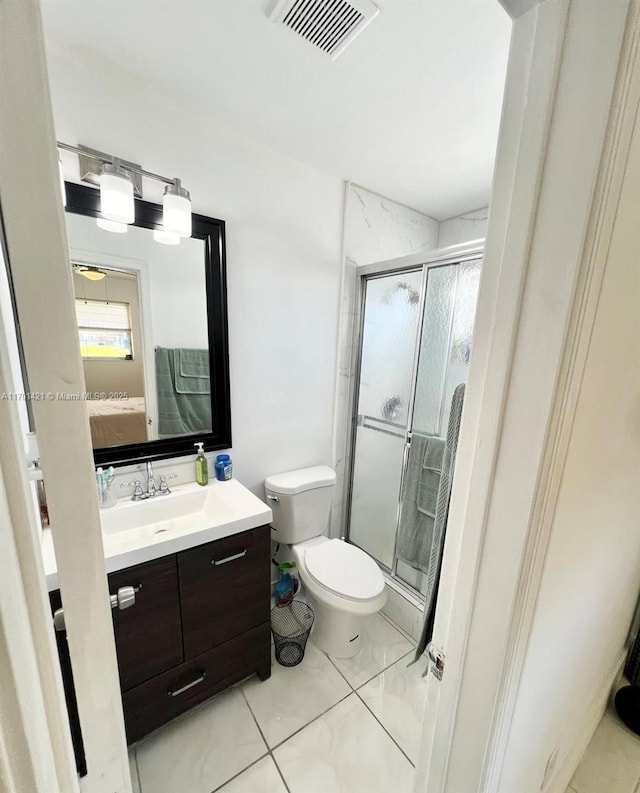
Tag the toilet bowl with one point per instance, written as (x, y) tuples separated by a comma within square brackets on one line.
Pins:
[(344, 584)]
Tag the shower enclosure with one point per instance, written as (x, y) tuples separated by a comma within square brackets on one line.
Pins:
[(416, 326)]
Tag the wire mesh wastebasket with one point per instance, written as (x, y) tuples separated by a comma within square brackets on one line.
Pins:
[(291, 626)]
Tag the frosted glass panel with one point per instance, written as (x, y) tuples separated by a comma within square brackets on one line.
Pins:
[(434, 349), (392, 305), (461, 335), (374, 497), (443, 363), (391, 316)]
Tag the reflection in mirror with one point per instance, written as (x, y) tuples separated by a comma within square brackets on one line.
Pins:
[(142, 320)]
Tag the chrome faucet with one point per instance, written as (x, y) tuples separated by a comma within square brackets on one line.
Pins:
[(139, 494), (151, 482)]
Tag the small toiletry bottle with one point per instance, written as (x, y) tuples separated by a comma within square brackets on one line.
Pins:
[(100, 486), (224, 467), (202, 467), (108, 491), (284, 587)]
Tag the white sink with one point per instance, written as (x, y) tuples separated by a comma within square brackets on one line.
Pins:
[(172, 512), (138, 531)]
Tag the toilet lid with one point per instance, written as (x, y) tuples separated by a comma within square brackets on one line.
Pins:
[(344, 569)]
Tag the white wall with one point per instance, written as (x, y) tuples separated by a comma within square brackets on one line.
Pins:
[(283, 253), (463, 228), (592, 573)]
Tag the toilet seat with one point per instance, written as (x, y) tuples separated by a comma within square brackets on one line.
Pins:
[(344, 570)]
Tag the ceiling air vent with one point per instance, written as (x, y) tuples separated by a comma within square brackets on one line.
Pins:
[(331, 25)]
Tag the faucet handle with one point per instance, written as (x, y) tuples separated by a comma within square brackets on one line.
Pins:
[(164, 487), (138, 492)]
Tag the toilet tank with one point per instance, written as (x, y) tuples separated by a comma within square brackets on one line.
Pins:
[(301, 503)]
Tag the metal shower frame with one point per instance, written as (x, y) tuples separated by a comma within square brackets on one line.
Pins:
[(456, 254)]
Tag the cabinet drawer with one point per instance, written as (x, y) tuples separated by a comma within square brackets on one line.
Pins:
[(155, 702), (148, 634), (224, 589)]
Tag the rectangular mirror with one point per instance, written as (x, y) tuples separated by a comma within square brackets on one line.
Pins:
[(152, 328)]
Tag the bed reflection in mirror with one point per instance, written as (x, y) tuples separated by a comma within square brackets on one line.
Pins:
[(141, 309)]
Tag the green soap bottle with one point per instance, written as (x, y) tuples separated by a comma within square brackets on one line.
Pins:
[(202, 466)]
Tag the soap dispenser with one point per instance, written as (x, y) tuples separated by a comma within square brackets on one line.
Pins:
[(202, 467)]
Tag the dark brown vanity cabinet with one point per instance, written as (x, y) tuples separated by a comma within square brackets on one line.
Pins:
[(148, 634), (224, 590), (199, 624)]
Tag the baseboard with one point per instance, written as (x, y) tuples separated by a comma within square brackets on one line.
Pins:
[(404, 609), (565, 770)]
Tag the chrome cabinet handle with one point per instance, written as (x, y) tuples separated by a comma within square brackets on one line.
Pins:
[(273, 498), (58, 620), (174, 692), (231, 558), (125, 597)]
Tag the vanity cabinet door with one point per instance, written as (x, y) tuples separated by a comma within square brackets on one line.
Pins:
[(224, 589), (148, 634)]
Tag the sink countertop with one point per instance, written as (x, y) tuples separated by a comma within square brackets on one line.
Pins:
[(232, 509)]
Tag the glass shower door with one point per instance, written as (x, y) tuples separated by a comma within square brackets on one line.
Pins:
[(388, 344), (443, 364)]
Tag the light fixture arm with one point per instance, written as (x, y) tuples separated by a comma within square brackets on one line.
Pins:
[(108, 159)]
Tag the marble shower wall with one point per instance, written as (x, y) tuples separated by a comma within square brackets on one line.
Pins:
[(464, 228), (376, 229)]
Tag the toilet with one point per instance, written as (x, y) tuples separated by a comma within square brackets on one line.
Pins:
[(343, 582)]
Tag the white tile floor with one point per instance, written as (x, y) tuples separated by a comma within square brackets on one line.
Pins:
[(611, 763), (327, 725)]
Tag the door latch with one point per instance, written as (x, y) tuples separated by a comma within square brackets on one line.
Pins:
[(125, 597), (436, 661)]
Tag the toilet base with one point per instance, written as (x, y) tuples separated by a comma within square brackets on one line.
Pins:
[(336, 632)]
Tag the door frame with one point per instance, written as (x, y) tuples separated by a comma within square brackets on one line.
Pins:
[(561, 157), (43, 298)]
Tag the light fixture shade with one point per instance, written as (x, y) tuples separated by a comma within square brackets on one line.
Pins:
[(112, 225), (176, 210), (63, 190), (116, 194), (91, 273), (165, 237)]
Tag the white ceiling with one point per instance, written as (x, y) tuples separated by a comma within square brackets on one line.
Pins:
[(410, 110)]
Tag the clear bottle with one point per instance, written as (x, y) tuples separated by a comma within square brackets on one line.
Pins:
[(202, 466)]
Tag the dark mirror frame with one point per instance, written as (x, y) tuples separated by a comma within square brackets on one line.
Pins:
[(83, 200)]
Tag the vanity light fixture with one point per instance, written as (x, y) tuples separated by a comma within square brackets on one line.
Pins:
[(90, 273), (165, 237), (111, 225), (119, 180), (176, 210), (116, 193)]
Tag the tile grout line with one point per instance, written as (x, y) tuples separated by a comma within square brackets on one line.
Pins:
[(315, 718), (284, 781), (368, 680), (386, 730), (235, 776), (253, 716), (266, 743)]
